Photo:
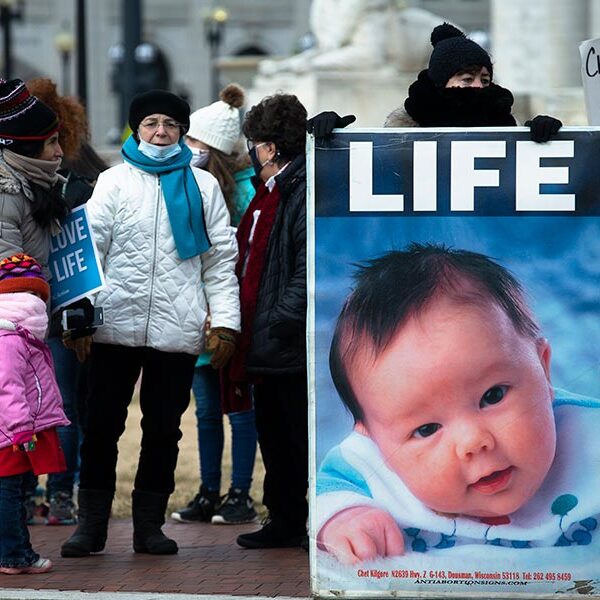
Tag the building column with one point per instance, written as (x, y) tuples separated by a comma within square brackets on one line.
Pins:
[(567, 28), (593, 28), (517, 36), (535, 44)]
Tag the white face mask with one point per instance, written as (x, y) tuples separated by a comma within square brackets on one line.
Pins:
[(159, 153), (199, 157)]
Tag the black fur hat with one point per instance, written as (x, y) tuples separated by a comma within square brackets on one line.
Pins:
[(452, 52), (161, 102)]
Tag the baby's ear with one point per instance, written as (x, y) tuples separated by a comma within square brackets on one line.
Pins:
[(544, 352)]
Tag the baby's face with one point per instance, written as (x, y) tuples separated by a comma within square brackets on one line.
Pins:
[(459, 404)]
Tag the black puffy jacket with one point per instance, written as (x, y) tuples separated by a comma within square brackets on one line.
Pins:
[(279, 334)]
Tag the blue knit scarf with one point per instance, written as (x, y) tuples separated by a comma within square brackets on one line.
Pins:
[(181, 193)]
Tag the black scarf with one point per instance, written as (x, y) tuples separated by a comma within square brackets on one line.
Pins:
[(433, 106)]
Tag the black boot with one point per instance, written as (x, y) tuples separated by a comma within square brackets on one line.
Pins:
[(92, 524), (148, 517), (275, 533)]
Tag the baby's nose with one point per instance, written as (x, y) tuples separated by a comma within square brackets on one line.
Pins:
[(472, 438)]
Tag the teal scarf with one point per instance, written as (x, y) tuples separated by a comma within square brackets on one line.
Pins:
[(182, 196)]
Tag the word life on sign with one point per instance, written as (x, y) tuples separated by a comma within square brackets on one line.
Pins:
[(454, 172), (74, 263)]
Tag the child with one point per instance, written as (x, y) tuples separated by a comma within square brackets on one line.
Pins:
[(30, 406), (459, 436)]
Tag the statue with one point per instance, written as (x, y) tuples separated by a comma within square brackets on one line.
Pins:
[(362, 35)]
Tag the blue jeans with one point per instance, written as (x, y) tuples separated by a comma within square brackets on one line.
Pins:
[(68, 372), (15, 547), (209, 417)]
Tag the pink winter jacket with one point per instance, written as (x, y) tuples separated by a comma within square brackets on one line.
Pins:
[(29, 396)]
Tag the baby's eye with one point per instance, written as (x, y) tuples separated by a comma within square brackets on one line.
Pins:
[(493, 395), (426, 430)]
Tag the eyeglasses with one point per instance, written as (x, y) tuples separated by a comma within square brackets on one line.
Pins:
[(153, 125), (252, 144)]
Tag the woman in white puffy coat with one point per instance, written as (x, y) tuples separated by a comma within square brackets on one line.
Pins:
[(168, 252)]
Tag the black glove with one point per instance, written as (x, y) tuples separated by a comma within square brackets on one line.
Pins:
[(82, 324), (82, 332), (324, 123), (543, 127)]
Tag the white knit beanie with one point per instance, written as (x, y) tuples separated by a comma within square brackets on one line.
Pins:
[(218, 124)]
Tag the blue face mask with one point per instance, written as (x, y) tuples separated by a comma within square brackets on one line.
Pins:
[(258, 166), (159, 153)]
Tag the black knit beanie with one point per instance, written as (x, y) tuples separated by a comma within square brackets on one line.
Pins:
[(22, 116), (161, 102), (453, 52)]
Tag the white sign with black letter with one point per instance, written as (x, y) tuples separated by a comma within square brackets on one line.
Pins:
[(590, 74)]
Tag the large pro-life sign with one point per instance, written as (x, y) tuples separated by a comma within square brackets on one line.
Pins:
[(453, 439), (74, 262)]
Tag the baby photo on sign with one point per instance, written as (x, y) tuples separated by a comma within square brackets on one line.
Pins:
[(457, 402), (459, 436)]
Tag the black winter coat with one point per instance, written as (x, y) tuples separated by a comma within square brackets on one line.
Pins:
[(279, 334)]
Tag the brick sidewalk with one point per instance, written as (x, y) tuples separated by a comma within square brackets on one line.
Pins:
[(209, 562)]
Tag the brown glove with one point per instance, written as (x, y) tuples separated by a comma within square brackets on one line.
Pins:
[(221, 342), (81, 346)]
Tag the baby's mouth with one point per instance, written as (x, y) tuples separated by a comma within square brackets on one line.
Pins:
[(494, 482)]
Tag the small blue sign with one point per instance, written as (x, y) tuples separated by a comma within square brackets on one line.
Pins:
[(74, 262)]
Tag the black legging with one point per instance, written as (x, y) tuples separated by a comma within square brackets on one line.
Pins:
[(164, 396)]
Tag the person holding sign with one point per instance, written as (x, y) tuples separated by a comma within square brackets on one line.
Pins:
[(32, 204), (272, 349), (459, 435), (456, 90), (168, 252), (30, 407), (81, 167), (31, 200)]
